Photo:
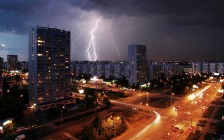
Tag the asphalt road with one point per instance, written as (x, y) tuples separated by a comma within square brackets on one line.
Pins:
[(188, 113)]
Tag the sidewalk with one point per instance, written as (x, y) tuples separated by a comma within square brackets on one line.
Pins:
[(207, 126)]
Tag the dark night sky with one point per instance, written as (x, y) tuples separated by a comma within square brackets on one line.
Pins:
[(171, 29)]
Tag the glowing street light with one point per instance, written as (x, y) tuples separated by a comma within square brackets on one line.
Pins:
[(185, 90), (171, 98), (61, 113), (147, 97)]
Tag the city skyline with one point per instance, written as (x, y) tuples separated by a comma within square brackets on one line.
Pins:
[(180, 30)]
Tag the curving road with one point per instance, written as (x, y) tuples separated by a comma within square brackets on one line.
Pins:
[(188, 113)]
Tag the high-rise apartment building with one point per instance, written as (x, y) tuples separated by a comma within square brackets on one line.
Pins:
[(1, 80), (137, 64), (12, 62), (49, 66)]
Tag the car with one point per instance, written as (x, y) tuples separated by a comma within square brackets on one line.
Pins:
[(175, 108), (191, 127), (181, 131), (20, 137), (175, 129), (21, 129)]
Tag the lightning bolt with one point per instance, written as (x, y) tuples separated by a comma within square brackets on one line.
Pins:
[(92, 43), (115, 46)]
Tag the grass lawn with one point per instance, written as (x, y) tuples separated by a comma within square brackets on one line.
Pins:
[(159, 102)]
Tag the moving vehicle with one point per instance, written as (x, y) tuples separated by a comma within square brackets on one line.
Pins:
[(181, 131), (175, 129), (20, 137)]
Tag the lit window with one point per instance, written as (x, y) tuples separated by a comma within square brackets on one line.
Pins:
[(39, 54), (40, 41)]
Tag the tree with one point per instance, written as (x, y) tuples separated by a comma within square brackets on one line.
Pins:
[(106, 101), (18, 78), (123, 82), (104, 129)]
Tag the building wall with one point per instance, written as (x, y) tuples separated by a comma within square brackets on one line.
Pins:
[(116, 69), (49, 65), (197, 67), (212, 67), (137, 64), (207, 67), (12, 62), (220, 67), (155, 70), (24, 65), (1, 80)]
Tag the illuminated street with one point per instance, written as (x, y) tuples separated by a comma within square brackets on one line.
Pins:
[(188, 113)]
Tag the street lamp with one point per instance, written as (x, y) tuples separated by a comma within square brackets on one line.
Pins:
[(61, 113), (185, 90), (171, 98), (147, 97)]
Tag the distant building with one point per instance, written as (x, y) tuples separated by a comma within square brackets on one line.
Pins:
[(155, 71), (23, 65), (5, 64), (212, 68), (1, 80), (158, 69), (49, 67), (207, 67), (12, 62), (220, 67), (107, 69), (137, 64), (196, 67)]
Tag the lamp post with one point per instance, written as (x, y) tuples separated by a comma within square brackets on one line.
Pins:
[(147, 97), (171, 98), (61, 113), (185, 91), (34, 107)]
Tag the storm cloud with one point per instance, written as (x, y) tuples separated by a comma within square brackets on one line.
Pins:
[(15, 14), (171, 29)]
